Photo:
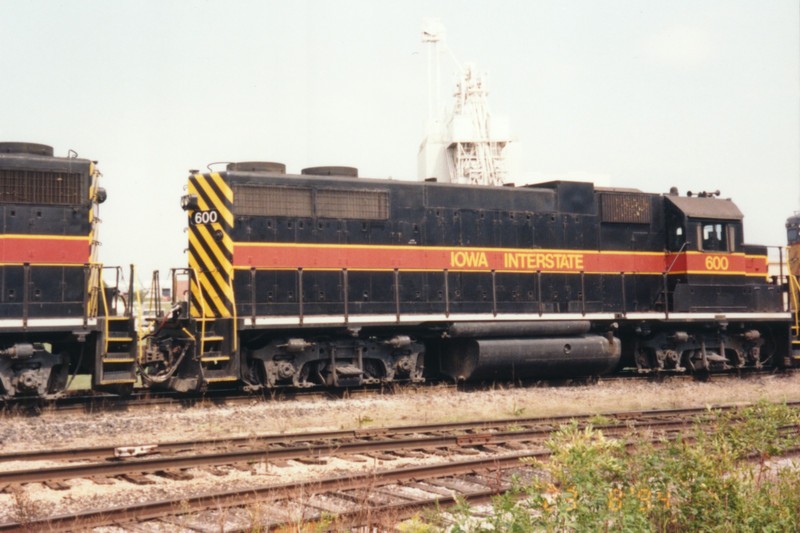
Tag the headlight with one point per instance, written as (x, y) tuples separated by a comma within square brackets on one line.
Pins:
[(189, 202)]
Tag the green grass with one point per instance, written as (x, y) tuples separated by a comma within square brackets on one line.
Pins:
[(720, 478)]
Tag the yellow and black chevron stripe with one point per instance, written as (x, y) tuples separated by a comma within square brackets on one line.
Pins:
[(211, 247)]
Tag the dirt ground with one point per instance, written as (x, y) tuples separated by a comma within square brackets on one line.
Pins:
[(410, 407), (425, 405)]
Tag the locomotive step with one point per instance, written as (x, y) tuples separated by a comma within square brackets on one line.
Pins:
[(119, 339), (116, 381), (215, 358), (213, 338), (118, 359), (221, 379)]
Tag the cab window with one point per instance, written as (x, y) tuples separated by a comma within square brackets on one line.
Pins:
[(713, 237), (793, 235)]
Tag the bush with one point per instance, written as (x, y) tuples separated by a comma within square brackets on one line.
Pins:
[(718, 478)]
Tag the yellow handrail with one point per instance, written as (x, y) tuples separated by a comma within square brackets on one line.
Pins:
[(140, 328), (794, 291), (202, 315), (105, 309)]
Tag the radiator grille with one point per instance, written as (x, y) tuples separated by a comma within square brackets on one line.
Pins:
[(362, 205), (39, 187), (627, 208), (270, 201)]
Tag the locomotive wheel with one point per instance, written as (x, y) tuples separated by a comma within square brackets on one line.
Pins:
[(124, 389)]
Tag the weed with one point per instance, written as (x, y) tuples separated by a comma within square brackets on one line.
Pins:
[(516, 411), (25, 510), (707, 482), (363, 420), (600, 420), (416, 524)]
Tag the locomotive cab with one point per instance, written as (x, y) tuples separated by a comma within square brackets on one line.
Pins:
[(707, 254), (711, 275)]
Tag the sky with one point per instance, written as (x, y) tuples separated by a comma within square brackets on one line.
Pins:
[(702, 95)]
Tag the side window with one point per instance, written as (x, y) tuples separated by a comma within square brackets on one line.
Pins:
[(714, 237), (676, 238), (793, 235)]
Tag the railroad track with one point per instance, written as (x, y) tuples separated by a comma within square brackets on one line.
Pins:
[(99, 402), (494, 447), (81, 402)]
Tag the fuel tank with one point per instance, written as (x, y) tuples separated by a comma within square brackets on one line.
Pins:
[(529, 358)]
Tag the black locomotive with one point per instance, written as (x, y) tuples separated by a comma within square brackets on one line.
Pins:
[(325, 278), (57, 318)]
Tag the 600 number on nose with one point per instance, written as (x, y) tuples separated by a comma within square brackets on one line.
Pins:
[(205, 217)]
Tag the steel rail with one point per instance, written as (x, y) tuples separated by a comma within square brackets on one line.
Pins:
[(359, 433), (154, 510), (152, 465)]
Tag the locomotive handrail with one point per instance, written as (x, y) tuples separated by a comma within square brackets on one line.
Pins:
[(446, 301), (665, 277), (139, 326), (346, 291), (583, 293), (300, 293), (396, 275), (26, 281), (155, 290), (202, 312), (494, 293), (446, 293), (88, 294), (675, 259), (794, 290), (539, 292), (253, 296)]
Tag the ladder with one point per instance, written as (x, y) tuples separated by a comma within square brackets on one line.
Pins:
[(116, 346), (215, 350)]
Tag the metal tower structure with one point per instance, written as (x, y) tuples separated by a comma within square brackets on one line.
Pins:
[(465, 144)]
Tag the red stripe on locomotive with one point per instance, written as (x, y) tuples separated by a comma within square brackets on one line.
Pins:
[(282, 256), (43, 250)]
